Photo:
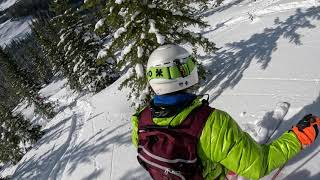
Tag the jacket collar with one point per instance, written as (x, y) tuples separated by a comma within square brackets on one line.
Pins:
[(177, 99), (169, 105), (178, 117)]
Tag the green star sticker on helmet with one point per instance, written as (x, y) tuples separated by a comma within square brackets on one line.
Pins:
[(172, 72)]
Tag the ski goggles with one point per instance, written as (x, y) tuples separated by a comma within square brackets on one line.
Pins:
[(178, 70)]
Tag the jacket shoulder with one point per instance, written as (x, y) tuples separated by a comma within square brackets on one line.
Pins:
[(218, 116)]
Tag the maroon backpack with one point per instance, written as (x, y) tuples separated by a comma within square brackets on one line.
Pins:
[(171, 152)]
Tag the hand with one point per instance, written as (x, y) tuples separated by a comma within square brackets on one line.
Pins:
[(307, 129)]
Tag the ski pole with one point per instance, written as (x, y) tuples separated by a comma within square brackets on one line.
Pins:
[(316, 122), (305, 162)]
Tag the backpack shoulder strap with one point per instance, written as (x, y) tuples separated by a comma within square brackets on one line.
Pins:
[(197, 119), (192, 125), (145, 118)]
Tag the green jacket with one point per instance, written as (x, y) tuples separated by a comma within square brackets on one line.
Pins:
[(224, 146)]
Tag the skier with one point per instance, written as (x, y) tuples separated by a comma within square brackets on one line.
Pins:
[(178, 136)]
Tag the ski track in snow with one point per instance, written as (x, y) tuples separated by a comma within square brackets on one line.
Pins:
[(283, 79), (77, 122), (111, 162), (54, 173), (262, 10), (94, 158)]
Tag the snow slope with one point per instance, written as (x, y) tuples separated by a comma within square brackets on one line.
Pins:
[(269, 54), (12, 29), (4, 4)]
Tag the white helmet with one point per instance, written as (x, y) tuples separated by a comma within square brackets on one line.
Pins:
[(171, 68)]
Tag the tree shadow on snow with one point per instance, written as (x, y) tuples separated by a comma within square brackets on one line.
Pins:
[(228, 64), (70, 153), (220, 8), (100, 143), (136, 174), (93, 175), (43, 166), (304, 174), (218, 26)]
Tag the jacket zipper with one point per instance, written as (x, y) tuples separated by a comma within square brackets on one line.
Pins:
[(165, 169), (166, 160)]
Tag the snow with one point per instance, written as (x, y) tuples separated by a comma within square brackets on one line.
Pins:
[(153, 29), (177, 13), (62, 39), (139, 70), (152, 6), (14, 30), (135, 15), (119, 32), (140, 51), (160, 38), (123, 12), (262, 62), (6, 4), (127, 49), (143, 36), (75, 68), (111, 9), (119, 1), (99, 24), (102, 53)]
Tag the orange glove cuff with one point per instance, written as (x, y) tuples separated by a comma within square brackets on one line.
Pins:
[(307, 136)]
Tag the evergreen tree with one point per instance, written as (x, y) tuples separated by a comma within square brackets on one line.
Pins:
[(40, 64), (46, 36), (28, 55), (47, 32), (22, 84), (16, 136), (16, 52), (75, 51), (8, 97), (141, 26)]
